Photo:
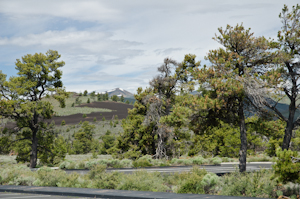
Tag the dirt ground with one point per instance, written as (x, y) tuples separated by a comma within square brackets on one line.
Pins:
[(119, 109)]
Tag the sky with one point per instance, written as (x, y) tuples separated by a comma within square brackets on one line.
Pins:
[(121, 43)]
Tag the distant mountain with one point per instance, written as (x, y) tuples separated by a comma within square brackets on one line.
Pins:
[(119, 92)]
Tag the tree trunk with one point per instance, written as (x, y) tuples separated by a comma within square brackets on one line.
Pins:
[(33, 154), (290, 123), (243, 137)]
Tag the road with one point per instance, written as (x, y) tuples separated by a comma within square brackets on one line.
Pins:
[(217, 169), (9, 195)]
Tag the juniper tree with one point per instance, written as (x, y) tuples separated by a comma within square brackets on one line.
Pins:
[(21, 98)]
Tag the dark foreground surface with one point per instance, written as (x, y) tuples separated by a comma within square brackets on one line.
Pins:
[(53, 192)]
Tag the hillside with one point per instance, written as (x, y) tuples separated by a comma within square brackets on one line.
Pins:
[(119, 92)]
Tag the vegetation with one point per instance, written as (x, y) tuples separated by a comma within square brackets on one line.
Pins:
[(234, 115), (21, 96), (199, 181)]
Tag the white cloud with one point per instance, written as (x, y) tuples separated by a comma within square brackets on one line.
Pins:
[(109, 44)]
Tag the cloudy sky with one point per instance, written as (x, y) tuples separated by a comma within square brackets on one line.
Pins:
[(120, 43)]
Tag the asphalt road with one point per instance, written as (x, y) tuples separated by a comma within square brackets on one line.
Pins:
[(217, 169), (9, 195)]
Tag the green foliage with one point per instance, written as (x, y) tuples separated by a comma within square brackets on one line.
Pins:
[(77, 100), (5, 142), (127, 102), (254, 184), (122, 98), (95, 119), (115, 98), (84, 116), (192, 182), (108, 142), (144, 161), (224, 139), (73, 105), (93, 95), (21, 97), (285, 169), (103, 119), (63, 122), (49, 178), (143, 181), (83, 139), (88, 101), (85, 93)]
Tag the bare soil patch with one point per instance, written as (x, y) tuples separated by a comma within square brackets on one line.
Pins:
[(119, 109)]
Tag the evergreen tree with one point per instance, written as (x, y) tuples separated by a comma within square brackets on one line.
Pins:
[(21, 98), (84, 138), (85, 93), (122, 99), (222, 84), (284, 74)]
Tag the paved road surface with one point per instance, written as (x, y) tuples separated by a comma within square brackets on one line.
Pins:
[(218, 169), (8, 195)]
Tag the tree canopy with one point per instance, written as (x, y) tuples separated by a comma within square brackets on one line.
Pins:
[(21, 98)]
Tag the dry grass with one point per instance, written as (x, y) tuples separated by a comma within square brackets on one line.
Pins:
[(69, 110)]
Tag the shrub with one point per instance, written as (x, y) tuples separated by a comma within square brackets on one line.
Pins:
[(71, 180), (103, 119), (65, 164), (48, 177), (198, 160), (14, 174), (254, 184), (84, 115), (88, 101), (141, 163), (63, 123), (285, 169), (215, 160), (143, 181), (191, 182), (108, 141), (209, 181), (126, 163), (95, 119), (73, 104), (83, 141)]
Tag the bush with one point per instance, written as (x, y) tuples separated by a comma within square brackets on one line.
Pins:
[(126, 163), (141, 163), (215, 160), (88, 101), (16, 174), (285, 169), (48, 177), (254, 184), (143, 181), (191, 182), (95, 119), (103, 119), (63, 123), (198, 160), (84, 115), (71, 180)]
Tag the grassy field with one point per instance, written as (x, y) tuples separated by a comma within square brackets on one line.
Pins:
[(101, 127), (69, 110)]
